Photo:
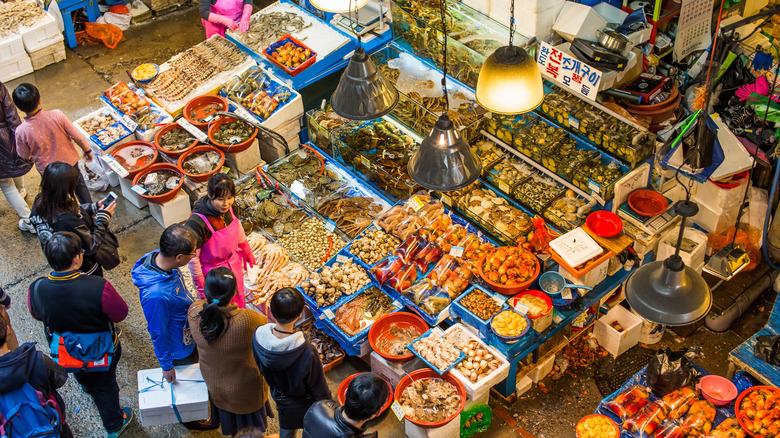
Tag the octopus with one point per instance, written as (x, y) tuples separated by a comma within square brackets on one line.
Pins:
[(430, 400)]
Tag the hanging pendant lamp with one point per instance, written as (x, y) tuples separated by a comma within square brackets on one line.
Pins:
[(668, 292), (338, 6), (509, 81), (444, 161), (363, 92)]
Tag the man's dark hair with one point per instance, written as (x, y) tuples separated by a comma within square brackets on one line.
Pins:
[(26, 97), (177, 239), (366, 394), (3, 331), (249, 432), (61, 248), (287, 305)]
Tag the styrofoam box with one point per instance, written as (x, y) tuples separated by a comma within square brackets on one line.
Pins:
[(533, 6), (499, 374), (125, 184), (155, 404), (96, 148), (11, 46), (15, 67), (39, 34), (449, 430), (591, 278), (523, 385), (245, 161), (610, 13), (51, 53), (578, 21), (617, 343), (666, 246), (480, 398), (113, 178), (718, 197), (393, 371), (172, 212), (535, 24), (714, 219), (542, 369)]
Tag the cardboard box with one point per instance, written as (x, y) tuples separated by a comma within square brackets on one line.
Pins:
[(615, 342), (578, 21), (155, 403), (53, 52)]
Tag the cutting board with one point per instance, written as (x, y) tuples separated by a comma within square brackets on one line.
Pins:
[(616, 244)]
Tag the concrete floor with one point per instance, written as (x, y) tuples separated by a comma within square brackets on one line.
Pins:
[(74, 86)]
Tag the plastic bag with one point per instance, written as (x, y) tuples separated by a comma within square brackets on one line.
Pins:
[(679, 401), (540, 239), (475, 419), (669, 370), (404, 278), (768, 349), (99, 33), (728, 428), (407, 251), (427, 256), (470, 244), (647, 420), (451, 237), (408, 226), (94, 175), (122, 21), (670, 429), (628, 403), (699, 419), (386, 269), (435, 229), (428, 297)]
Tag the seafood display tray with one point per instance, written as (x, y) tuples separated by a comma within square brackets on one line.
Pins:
[(312, 303), (503, 126), (468, 317), (356, 339), (411, 111), (604, 189), (348, 247), (319, 134), (565, 166), (365, 167), (281, 42), (114, 113), (435, 330), (274, 84), (491, 379)]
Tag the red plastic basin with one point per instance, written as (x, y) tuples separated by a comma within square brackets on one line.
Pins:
[(142, 163), (380, 330), (604, 223), (165, 197), (427, 373), (647, 202), (200, 176)]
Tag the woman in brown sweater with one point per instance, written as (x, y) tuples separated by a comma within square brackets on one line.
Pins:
[(223, 335)]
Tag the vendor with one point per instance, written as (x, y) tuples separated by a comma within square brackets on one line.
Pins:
[(217, 15), (222, 241)]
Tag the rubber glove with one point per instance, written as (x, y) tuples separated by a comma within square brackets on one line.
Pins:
[(245, 15), (223, 20), (246, 254)]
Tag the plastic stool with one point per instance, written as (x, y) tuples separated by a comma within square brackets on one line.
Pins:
[(69, 6)]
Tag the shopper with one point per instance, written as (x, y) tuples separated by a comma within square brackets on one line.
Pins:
[(366, 394), (222, 241), (5, 303), (289, 363), (48, 136), (56, 209), (12, 166), (217, 15), (25, 364), (71, 303)]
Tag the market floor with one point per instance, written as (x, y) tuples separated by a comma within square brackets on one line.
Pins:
[(74, 86)]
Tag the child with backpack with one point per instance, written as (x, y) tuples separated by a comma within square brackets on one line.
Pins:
[(29, 402)]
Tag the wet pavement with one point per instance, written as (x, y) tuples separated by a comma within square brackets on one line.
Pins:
[(74, 86)]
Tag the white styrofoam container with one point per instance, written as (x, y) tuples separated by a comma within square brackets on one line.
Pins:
[(617, 343), (578, 21), (11, 46), (640, 36), (40, 33), (480, 398), (666, 246), (125, 184), (651, 332), (113, 178), (522, 385), (719, 197), (50, 53), (245, 161), (610, 13), (293, 109), (172, 212), (393, 371), (449, 430), (492, 379), (15, 67), (542, 369), (591, 278), (538, 24), (155, 404), (101, 149), (714, 219), (533, 6)]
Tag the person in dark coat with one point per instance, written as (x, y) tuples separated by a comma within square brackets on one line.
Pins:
[(12, 166), (289, 363), (366, 394), (25, 364)]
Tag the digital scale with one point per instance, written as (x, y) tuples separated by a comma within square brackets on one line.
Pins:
[(654, 225), (367, 19)]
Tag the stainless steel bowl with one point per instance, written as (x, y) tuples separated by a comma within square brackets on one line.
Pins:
[(613, 41)]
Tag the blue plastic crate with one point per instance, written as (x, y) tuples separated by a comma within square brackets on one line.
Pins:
[(271, 89), (468, 317), (353, 340), (344, 298), (431, 320), (461, 356)]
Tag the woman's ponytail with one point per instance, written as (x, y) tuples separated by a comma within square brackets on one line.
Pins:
[(219, 290)]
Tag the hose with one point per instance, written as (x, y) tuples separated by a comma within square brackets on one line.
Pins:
[(765, 247)]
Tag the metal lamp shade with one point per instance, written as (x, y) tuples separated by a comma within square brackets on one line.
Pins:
[(668, 293), (509, 82), (337, 6), (363, 92), (444, 161)]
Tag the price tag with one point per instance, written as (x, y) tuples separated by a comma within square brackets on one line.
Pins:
[(342, 258), (456, 251), (594, 186), (503, 187), (189, 127), (115, 166), (225, 170), (397, 304), (416, 203), (329, 314), (446, 200), (557, 316), (139, 189), (566, 294), (365, 162), (398, 410), (498, 299), (129, 122), (522, 308), (322, 317), (330, 225), (574, 123)]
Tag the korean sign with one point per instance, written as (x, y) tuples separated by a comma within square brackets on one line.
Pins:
[(569, 71)]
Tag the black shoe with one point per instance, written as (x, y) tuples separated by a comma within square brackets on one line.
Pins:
[(200, 425)]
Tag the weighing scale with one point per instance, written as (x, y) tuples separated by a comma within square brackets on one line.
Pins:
[(652, 225), (368, 19)]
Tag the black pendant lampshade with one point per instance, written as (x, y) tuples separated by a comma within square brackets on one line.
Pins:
[(444, 161), (363, 92)]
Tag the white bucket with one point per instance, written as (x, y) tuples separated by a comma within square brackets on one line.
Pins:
[(651, 332)]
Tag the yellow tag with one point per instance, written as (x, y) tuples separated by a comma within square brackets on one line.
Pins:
[(503, 187), (398, 410), (365, 161), (416, 203), (446, 200), (225, 169)]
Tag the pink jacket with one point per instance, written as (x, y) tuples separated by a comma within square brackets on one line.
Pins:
[(48, 136)]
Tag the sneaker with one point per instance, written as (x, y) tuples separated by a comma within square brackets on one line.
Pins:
[(128, 418), (200, 425), (25, 225), (23, 193)]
